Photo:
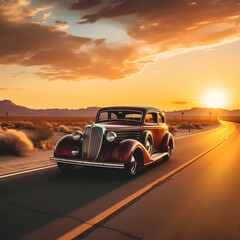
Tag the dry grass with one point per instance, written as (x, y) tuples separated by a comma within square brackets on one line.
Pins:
[(63, 128), (24, 125), (44, 127), (172, 129), (43, 132), (14, 142), (195, 123)]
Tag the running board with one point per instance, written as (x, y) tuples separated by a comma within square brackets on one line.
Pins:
[(157, 156)]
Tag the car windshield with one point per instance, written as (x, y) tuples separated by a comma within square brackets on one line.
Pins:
[(119, 115)]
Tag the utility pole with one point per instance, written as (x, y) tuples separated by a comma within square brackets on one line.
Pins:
[(210, 116), (7, 116), (182, 115)]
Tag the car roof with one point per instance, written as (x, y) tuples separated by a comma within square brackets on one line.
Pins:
[(137, 108)]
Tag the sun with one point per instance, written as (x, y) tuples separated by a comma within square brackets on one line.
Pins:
[(215, 98)]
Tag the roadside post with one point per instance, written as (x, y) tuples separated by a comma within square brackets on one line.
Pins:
[(7, 116)]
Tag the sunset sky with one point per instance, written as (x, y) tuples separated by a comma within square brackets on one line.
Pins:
[(171, 54)]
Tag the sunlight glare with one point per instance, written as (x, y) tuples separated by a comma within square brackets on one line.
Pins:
[(215, 99)]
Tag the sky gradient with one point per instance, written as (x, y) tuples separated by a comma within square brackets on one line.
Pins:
[(171, 54)]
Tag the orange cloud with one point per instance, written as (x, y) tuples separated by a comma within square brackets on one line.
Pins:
[(176, 23), (18, 10), (61, 55), (45, 16), (4, 89), (180, 102), (159, 26)]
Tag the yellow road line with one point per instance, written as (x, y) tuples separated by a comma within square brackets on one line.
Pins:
[(95, 220)]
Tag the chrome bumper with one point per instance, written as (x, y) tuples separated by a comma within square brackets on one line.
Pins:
[(87, 163)]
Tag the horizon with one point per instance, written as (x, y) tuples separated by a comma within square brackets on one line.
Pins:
[(82, 108), (62, 54)]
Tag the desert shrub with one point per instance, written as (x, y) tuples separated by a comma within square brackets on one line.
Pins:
[(81, 125), (15, 142), (24, 125), (183, 125), (63, 128), (198, 125), (172, 129), (76, 128), (4, 128), (43, 132), (55, 124), (46, 145), (7, 125)]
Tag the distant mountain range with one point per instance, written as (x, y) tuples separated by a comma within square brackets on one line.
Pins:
[(13, 109)]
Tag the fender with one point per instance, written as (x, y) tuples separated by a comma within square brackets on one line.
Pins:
[(64, 146), (124, 151), (168, 137)]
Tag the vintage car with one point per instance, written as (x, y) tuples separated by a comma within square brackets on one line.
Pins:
[(128, 138)]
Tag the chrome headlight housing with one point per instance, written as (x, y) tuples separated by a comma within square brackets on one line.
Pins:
[(77, 135), (75, 151), (111, 136)]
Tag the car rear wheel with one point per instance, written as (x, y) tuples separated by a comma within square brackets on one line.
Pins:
[(66, 168), (169, 152)]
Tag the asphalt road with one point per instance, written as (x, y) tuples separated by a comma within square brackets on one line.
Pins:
[(202, 201)]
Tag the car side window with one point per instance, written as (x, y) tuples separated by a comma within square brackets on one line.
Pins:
[(161, 118), (151, 118)]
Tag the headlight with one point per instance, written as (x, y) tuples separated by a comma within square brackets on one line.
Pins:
[(77, 135), (111, 136), (75, 151)]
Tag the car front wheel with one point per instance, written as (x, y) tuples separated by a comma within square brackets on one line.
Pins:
[(131, 169)]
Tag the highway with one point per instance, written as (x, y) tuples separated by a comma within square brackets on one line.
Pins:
[(194, 195)]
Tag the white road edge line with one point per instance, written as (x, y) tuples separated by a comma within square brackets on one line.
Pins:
[(26, 171), (103, 215)]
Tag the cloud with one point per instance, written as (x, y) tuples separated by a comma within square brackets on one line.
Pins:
[(176, 23), (18, 74), (59, 54), (45, 16), (4, 89), (85, 4), (61, 25), (18, 10), (180, 102), (157, 27)]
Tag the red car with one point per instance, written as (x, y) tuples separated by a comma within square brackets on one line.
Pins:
[(128, 138)]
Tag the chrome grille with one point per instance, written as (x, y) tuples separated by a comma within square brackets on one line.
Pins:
[(126, 134), (92, 141)]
